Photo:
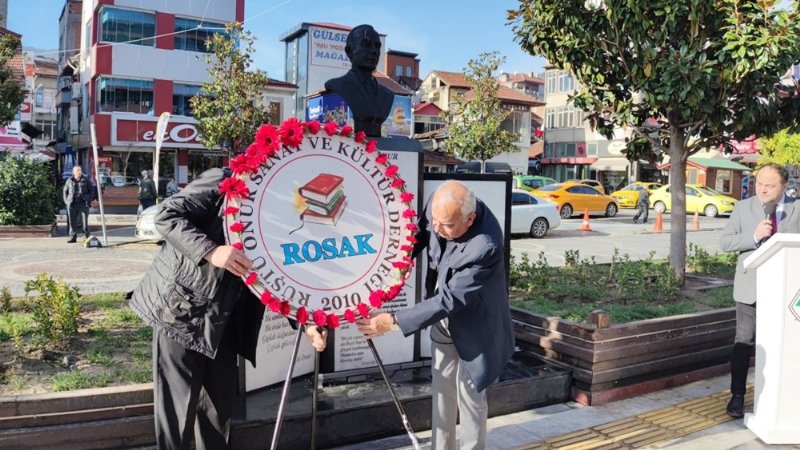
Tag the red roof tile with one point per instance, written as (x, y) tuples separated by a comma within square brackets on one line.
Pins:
[(507, 95), (524, 78), (278, 83), (427, 109), (393, 86), (536, 149), (452, 79)]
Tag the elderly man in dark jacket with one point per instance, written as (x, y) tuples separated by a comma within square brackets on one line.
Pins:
[(78, 195), (203, 315), (466, 306)]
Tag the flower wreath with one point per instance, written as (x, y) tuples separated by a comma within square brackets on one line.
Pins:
[(268, 141)]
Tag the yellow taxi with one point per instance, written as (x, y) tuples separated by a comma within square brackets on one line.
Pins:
[(629, 195), (575, 198), (699, 198)]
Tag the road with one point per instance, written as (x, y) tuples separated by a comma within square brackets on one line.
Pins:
[(119, 267)]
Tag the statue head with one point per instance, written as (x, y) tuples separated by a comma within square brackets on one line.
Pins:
[(363, 47)]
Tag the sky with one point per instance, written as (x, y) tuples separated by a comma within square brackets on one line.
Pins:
[(444, 34)]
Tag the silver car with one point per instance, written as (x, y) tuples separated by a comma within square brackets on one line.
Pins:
[(146, 225)]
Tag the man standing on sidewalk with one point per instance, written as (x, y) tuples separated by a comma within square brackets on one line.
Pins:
[(78, 195), (643, 204), (752, 222), (147, 191)]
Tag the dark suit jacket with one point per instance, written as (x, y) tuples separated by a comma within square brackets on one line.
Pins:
[(738, 237), (472, 294)]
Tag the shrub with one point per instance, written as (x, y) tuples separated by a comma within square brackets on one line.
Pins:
[(55, 311), (5, 299), (27, 194), (719, 264)]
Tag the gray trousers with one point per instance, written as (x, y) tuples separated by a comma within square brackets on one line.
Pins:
[(193, 395), (742, 346), (454, 393)]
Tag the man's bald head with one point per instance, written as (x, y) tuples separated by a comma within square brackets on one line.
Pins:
[(453, 209)]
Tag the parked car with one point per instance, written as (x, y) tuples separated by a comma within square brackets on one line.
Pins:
[(121, 181), (593, 183), (146, 224), (532, 215), (629, 195), (576, 198), (699, 198), (530, 182)]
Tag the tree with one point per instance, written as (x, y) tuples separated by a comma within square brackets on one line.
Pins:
[(228, 107), (27, 195), (475, 124), (12, 92), (782, 148), (681, 75)]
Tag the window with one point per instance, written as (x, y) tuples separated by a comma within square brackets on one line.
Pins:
[(118, 94), (398, 70), (408, 71), (133, 27), (591, 149), (518, 198), (181, 94), (550, 118), (39, 102), (566, 115), (723, 183), (565, 82), (192, 35), (691, 176), (551, 81), (274, 108)]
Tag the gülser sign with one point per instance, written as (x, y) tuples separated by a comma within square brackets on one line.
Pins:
[(143, 133)]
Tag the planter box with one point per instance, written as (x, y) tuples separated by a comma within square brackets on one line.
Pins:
[(629, 359), (26, 231)]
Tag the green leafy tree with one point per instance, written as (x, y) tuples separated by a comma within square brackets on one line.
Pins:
[(27, 195), (11, 91), (228, 108), (475, 122), (682, 75), (782, 148)]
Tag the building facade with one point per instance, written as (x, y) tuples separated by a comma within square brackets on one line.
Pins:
[(138, 59), (403, 67)]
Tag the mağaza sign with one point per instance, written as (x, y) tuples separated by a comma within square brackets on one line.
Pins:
[(324, 217)]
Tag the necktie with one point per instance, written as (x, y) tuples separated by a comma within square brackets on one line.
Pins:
[(774, 223)]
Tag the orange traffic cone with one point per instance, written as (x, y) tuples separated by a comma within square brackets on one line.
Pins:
[(585, 226), (659, 222), (696, 221)]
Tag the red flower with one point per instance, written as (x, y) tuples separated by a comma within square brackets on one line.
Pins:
[(268, 139), (371, 146), (349, 315), (376, 298), (251, 279), (393, 292), (406, 197), (400, 264), (291, 132), (241, 165), (360, 136), (301, 315), (363, 309), (285, 308), (266, 298), (330, 128), (413, 228), (237, 227), (409, 213), (231, 210), (274, 305), (256, 156), (398, 183), (233, 187), (382, 158), (406, 248), (346, 130), (238, 246), (392, 170), (313, 126), (320, 318), (333, 320), (412, 239)]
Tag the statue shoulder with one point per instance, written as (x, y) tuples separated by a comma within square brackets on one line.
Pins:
[(336, 84)]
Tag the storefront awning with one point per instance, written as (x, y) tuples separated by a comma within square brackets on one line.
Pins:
[(12, 143), (613, 164)]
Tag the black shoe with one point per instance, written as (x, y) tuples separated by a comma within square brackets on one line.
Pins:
[(735, 407), (72, 240), (635, 221), (644, 221)]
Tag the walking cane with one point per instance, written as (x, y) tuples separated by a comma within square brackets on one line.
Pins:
[(314, 402), (400, 409), (278, 421)]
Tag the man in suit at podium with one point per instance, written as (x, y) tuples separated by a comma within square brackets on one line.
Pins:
[(369, 101), (466, 306), (752, 222)]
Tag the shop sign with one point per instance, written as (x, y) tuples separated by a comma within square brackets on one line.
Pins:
[(142, 133)]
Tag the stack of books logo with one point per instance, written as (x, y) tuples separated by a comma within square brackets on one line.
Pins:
[(325, 199)]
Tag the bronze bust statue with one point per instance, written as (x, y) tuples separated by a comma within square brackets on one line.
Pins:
[(368, 100)]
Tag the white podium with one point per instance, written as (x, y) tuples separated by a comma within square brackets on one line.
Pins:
[(776, 413)]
